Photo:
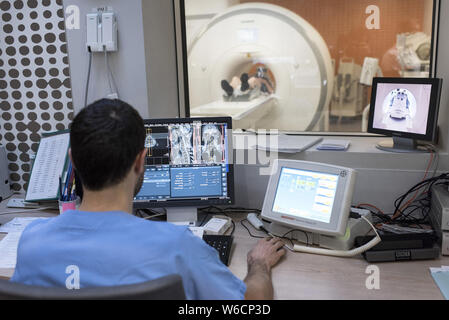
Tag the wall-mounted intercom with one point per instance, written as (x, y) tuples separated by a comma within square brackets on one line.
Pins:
[(102, 30)]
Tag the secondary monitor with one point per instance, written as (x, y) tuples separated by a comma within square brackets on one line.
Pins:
[(188, 165), (309, 196), (405, 109)]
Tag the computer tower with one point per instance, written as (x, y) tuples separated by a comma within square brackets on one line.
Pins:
[(439, 215)]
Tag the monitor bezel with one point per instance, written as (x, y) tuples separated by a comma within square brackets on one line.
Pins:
[(432, 121), (340, 210), (147, 204)]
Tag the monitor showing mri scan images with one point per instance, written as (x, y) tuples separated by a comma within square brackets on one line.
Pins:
[(186, 143), (402, 108), (187, 163)]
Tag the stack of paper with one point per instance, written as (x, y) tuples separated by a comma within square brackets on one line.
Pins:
[(9, 244), (334, 145), (441, 277), (197, 231), (286, 144), (51, 159), (17, 224), (8, 250)]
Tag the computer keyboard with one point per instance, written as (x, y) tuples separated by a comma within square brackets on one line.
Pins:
[(222, 244)]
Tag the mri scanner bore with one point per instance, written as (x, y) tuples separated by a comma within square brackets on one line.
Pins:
[(282, 65), (251, 36)]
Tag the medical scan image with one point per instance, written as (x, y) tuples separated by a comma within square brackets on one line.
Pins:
[(213, 144), (399, 109), (182, 151), (150, 142), (157, 143)]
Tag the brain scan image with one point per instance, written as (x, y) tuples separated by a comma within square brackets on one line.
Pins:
[(150, 142), (399, 110)]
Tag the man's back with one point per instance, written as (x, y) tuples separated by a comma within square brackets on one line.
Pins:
[(116, 248)]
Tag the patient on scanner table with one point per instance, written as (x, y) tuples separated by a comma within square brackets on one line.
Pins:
[(247, 88)]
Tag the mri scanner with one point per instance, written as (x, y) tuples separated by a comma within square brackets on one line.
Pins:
[(247, 35)]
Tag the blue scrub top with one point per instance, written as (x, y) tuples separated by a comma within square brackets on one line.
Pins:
[(116, 248)]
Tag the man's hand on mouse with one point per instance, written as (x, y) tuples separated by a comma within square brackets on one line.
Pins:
[(267, 252)]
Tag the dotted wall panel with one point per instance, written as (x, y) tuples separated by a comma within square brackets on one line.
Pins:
[(35, 89)]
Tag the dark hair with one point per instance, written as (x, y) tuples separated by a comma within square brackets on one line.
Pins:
[(106, 138)]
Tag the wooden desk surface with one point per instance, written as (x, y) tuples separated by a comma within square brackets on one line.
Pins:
[(301, 276)]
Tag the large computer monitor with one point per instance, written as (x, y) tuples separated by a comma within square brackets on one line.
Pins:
[(309, 196), (189, 165), (405, 109)]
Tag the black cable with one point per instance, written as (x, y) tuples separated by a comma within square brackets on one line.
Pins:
[(230, 209), (428, 182), (233, 228), (88, 76), (253, 236), (202, 221), (295, 230)]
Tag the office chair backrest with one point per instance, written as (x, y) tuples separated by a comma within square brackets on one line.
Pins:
[(166, 288)]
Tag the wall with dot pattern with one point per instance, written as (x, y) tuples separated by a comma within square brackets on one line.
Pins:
[(35, 88)]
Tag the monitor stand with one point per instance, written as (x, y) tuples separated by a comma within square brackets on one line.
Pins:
[(186, 216), (401, 145)]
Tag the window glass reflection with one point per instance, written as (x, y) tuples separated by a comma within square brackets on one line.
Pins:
[(300, 65)]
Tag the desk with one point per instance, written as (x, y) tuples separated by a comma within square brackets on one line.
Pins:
[(303, 276)]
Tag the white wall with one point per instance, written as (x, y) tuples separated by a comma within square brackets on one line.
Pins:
[(443, 72), (160, 58), (128, 64)]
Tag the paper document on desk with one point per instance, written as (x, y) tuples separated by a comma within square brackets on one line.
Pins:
[(10, 243), (441, 278), (17, 224), (286, 143), (8, 250), (197, 231)]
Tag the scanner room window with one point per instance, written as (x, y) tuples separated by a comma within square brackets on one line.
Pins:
[(300, 65)]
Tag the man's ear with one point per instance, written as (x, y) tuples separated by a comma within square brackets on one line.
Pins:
[(140, 160)]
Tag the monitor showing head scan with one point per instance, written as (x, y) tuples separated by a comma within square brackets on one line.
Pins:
[(406, 109), (309, 196), (188, 163)]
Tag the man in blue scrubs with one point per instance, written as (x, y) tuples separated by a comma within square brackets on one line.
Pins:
[(106, 245)]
